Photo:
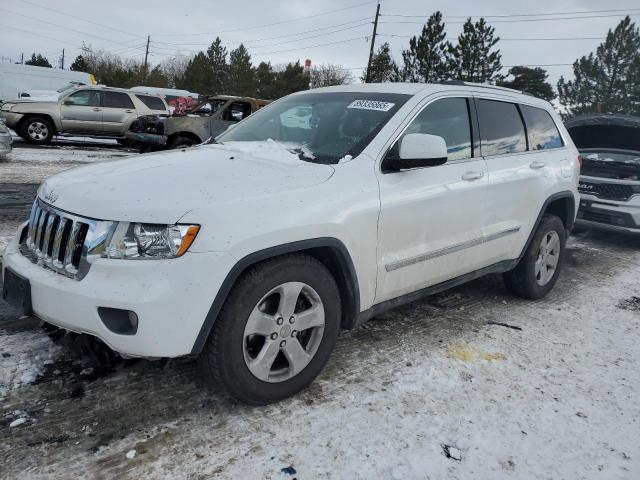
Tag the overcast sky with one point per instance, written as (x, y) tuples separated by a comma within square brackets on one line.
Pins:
[(283, 31)]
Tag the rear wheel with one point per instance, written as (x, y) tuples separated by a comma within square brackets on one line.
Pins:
[(538, 270), (37, 130), (183, 142), (275, 331)]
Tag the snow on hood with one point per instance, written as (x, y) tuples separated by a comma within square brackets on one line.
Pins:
[(162, 187)]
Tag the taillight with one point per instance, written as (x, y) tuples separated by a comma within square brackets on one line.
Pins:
[(580, 161)]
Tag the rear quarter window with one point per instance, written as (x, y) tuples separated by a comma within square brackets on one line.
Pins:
[(152, 103), (542, 130), (501, 128)]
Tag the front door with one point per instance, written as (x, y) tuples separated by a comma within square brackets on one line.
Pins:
[(81, 112), (431, 218)]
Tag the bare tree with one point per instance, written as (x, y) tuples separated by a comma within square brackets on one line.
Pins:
[(174, 68), (326, 75)]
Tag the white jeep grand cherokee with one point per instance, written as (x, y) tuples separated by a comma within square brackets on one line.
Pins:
[(255, 251)]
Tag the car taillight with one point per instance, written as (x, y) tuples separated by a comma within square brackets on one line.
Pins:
[(580, 161)]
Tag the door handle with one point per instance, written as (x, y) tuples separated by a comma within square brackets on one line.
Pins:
[(537, 164), (471, 176), (129, 111), (97, 109)]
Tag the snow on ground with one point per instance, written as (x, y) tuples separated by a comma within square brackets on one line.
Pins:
[(469, 384)]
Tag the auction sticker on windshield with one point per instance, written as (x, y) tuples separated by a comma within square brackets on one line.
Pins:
[(371, 105)]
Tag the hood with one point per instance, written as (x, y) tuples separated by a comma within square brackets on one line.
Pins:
[(605, 131), (163, 187)]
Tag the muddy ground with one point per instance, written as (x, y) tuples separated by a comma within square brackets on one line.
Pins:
[(472, 383)]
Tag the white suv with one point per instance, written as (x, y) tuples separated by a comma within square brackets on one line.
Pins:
[(255, 251)]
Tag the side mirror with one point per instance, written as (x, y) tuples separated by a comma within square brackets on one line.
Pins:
[(67, 101), (420, 150)]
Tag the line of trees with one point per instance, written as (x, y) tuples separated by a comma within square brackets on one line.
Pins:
[(607, 80)]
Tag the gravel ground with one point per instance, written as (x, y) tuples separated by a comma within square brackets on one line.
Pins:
[(468, 384)]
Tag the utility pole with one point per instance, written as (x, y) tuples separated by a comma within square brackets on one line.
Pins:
[(22, 58), (373, 42), (146, 57), (62, 60)]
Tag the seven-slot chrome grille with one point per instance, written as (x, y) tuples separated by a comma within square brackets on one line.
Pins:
[(62, 241)]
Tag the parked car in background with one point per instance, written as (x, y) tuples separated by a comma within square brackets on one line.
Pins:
[(206, 120), (179, 101), (5, 139), (16, 79), (84, 111), (254, 252), (610, 178)]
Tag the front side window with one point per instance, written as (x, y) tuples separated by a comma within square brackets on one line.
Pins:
[(542, 131), (320, 127), (236, 111), (117, 100), (84, 98), (447, 118), (501, 128)]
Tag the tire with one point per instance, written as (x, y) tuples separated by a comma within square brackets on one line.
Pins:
[(37, 130), (255, 368), (534, 276), (182, 142), (122, 142)]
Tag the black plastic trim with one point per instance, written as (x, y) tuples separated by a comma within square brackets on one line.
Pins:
[(350, 280)]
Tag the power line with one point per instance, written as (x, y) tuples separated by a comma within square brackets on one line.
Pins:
[(80, 18), (255, 27), (520, 21), (313, 46), (518, 15), (508, 39)]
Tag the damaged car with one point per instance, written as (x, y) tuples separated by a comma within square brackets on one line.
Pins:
[(610, 177), (206, 120)]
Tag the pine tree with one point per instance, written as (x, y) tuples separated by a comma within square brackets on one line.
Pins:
[(197, 76), (217, 54), (80, 65), (265, 79), (425, 60), (38, 61), (291, 79), (472, 59), (530, 80), (608, 80), (157, 78), (383, 68), (240, 78)]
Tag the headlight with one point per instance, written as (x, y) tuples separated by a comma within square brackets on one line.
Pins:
[(148, 241), (7, 107)]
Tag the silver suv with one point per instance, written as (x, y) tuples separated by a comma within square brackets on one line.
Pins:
[(84, 111)]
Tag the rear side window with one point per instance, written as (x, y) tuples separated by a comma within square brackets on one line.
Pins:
[(448, 118), (153, 103), (541, 128), (116, 100), (501, 128)]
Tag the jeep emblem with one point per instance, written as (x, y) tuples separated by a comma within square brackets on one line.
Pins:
[(51, 197)]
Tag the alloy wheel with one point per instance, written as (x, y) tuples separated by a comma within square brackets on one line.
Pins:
[(548, 257), (38, 131)]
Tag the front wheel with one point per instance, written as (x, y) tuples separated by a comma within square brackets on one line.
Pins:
[(275, 332), (182, 142), (538, 270), (37, 130)]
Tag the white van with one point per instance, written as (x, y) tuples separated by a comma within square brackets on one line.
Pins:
[(16, 79)]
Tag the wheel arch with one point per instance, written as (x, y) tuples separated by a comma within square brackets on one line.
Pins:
[(190, 135), (331, 252), (28, 116), (561, 204)]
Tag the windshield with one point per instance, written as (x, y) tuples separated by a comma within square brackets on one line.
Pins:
[(68, 86), (621, 156), (320, 127), (610, 163)]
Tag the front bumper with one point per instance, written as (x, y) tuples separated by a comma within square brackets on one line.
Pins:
[(609, 215), (11, 119), (170, 297), (147, 138)]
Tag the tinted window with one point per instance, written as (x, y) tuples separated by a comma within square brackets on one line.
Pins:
[(117, 100), (541, 129), (501, 128), (236, 112), (448, 118), (84, 98), (153, 103)]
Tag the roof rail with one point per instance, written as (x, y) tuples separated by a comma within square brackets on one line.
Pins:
[(483, 85)]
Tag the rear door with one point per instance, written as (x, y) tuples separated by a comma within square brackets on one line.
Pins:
[(520, 173), (81, 112), (431, 218), (118, 112)]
